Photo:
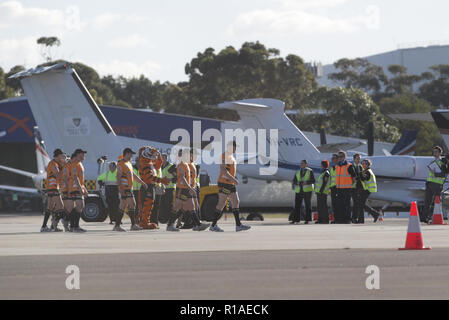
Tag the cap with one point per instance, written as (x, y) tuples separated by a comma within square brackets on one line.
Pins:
[(128, 150), (57, 152), (78, 151)]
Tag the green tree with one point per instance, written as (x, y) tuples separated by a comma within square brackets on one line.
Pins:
[(359, 73), (46, 44), (401, 82), (5, 91), (252, 71), (428, 134), (437, 90), (14, 84), (347, 111)]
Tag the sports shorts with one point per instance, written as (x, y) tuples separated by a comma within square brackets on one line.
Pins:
[(226, 189)]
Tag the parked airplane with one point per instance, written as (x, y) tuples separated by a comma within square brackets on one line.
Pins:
[(69, 118)]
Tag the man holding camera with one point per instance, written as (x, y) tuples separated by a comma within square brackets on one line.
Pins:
[(435, 182)]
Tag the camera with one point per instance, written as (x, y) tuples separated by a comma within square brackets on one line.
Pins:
[(445, 163)]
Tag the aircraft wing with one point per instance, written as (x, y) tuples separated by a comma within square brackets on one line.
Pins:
[(19, 189), (336, 147), (21, 172)]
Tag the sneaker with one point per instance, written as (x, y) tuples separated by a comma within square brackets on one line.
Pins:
[(216, 228), (56, 229), (172, 228), (242, 227), (78, 230), (45, 229), (118, 229), (135, 227), (201, 227), (65, 224)]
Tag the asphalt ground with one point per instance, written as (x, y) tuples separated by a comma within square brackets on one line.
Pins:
[(273, 260)]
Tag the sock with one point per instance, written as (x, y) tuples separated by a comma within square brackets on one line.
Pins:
[(66, 218), (73, 218), (78, 217), (217, 215), (118, 218), (174, 216), (46, 217), (132, 216), (196, 221), (236, 213)]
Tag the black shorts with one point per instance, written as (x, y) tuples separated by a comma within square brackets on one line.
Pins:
[(53, 193), (127, 194), (183, 194), (226, 189), (148, 193), (65, 195), (76, 195)]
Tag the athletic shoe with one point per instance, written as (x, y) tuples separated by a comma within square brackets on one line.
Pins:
[(78, 230), (118, 229), (45, 229), (65, 224), (56, 229), (172, 228), (216, 228), (201, 227), (135, 227), (242, 227)]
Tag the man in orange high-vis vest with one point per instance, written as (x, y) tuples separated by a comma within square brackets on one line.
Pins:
[(344, 181)]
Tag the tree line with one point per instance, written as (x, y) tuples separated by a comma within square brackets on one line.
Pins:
[(365, 93)]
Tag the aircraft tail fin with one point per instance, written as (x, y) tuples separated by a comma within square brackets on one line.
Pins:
[(268, 114), (66, 113), (405, 145), (42, 157)]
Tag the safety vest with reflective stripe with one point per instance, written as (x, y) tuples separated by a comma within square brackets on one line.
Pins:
[(371, 184), (136, 184), (166, 174), (109, 177), (333, 179), (306, 177), (432, 177), (319, 183), (343, 179)]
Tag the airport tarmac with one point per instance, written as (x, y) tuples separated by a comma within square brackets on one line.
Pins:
[(274, 260)]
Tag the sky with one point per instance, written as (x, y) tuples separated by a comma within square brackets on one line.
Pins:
[(158, 38)]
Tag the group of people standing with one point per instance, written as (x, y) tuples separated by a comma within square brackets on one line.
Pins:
[(65, 191), (174, 188), (343, 181)]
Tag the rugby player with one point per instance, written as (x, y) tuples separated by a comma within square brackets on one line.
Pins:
[(185, 193), (227, 183), (77, 190), (125, 176), (55, 207)]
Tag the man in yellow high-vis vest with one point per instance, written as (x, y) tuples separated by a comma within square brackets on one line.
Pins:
[(303, 185), (333, 182), (109, 180), (434, 183)]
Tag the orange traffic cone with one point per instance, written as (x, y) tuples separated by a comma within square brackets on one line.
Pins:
[(414, 236), (437, 217)]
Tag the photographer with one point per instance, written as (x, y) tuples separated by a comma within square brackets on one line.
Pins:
[(435, 182)]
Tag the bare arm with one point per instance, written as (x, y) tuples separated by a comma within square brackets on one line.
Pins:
[(135, 176)]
